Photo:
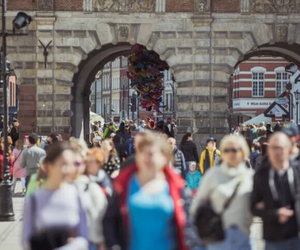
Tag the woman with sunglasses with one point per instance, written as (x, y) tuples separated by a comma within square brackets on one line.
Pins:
[(54, 217), (219, 184)]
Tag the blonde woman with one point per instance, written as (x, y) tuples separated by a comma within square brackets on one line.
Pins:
[(218, 185), (111, 159), (18, 172)]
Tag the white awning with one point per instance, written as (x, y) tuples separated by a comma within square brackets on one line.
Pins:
[(258, 119)]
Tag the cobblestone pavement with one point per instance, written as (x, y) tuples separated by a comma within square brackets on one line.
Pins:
[(10, 232)]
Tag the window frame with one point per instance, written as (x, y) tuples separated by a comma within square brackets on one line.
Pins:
[(258, 81)]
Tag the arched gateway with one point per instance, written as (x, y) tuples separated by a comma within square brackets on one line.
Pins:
[(201, 40)]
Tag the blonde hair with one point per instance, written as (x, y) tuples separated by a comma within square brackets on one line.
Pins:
[(237, 140), (19, 144)]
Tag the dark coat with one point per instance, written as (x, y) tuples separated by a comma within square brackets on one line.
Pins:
[(116, 222), (272, 229), (179, 164), (189, 149)]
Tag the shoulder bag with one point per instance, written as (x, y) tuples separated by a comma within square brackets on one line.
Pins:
[(209, 224)]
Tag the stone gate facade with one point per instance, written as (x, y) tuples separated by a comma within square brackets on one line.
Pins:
[(201, 40)]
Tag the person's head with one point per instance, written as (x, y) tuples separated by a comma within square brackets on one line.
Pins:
[(59, 162), (152, 154), (262, 124), (132, 129), (130, 123), (32, 138), (122, 127), (9, 141), (172, 143), (19, 144), (94, 161), (256, 146), (192, 166), (59, 137), (279, 149), (109, 147), (244, 127), (52, 138), (292, 132), (268, 126), (186, 137), (95, 128), (117, 139), (97, 124), (262, 131), (211, 143), (234, 150)]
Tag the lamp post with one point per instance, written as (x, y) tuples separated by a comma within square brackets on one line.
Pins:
[(297, 97), (105, 110), (6, 207)]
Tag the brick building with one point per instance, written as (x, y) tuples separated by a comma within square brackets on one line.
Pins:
[(254, 85)]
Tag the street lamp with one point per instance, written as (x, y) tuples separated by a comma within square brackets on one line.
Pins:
[(105, 109), (297, 97), (6, 207)]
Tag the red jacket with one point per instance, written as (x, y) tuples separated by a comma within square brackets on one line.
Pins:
[(10, 163), (121, 186)]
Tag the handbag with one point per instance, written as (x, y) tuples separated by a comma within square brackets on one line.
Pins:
[(209, 224), (50, 238)]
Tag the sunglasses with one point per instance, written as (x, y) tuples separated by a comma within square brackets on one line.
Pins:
[(78, 164), (231, 150)]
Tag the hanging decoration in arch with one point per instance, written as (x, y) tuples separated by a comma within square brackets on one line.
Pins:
[(145, 70)]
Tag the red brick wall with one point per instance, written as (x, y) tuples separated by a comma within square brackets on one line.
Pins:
[(21, 5), (226, 6), (180, 5), (69, 5)]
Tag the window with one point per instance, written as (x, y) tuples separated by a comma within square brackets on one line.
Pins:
[(258, 84), (281, 82)]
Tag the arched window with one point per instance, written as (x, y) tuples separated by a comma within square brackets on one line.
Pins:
[(258, 81)]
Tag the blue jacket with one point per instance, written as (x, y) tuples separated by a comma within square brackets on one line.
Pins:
[(193, 179)]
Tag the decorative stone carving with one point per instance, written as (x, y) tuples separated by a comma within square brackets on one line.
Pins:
[(45, 5), (202, 6), (124, 5), (276, 6), (281, 33), (123, 31)]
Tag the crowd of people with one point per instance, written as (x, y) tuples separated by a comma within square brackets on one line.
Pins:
[(133, 188)]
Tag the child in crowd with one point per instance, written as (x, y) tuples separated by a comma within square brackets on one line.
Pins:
[(193, 177)]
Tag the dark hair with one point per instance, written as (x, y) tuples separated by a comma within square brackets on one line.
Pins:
[(122, 127), (132, 128), (185, 137), (268, 126), (54, 151), (53, 137), (95, 128), (32, 139), (256, 146), (117, 139), (264, 147)]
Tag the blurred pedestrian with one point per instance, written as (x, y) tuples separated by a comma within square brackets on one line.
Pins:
[(97, 141), (14, 134), (97, 132), (93, 199), (146, 203), (59, 137), (292, 132), (111, 159), (54, 216), (122, 132), (18, 172), (269, 130), (118, 142), (37, 180), (129, 144), (179, 160), (109, 130), (275, 197), (52, 138), (31, 158), (193, 178), (230, 184), (95, 157), (189, 149), (255, 153), (10, 161), (209, 155)]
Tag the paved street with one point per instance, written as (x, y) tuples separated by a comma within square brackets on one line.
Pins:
[(10, 232)]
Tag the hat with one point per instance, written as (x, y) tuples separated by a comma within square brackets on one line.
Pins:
[(210, 139), (290, 130), (96, 139)]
